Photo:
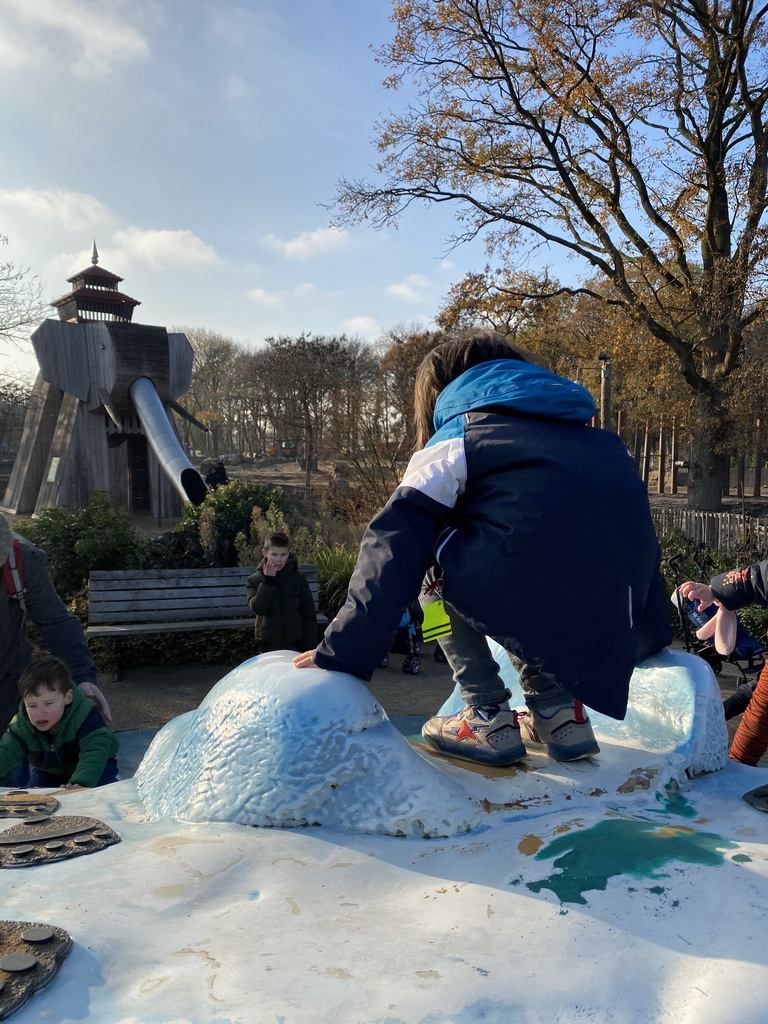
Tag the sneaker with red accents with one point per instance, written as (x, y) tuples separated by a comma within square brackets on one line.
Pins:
[(565, 730), (487, 733)]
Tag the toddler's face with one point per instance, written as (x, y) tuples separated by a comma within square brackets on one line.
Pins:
[(46, 707)]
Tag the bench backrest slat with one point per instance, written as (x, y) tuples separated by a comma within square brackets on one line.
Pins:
[(157, 595)]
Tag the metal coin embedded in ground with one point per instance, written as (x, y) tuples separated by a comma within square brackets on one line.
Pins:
[(30, 957), (17, 962), (39, 934)]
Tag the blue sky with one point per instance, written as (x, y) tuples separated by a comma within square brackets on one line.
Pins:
[(197, 141)]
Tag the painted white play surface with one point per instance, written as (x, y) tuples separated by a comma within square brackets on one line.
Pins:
[(617, 890)]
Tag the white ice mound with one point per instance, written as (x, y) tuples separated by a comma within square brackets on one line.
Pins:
[(273, 745), (675, 707)]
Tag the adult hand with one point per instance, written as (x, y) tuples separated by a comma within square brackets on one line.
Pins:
[(305, 660), (92, 692), (700, 592)]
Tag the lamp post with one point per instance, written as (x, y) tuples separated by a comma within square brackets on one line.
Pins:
[(605, 390)]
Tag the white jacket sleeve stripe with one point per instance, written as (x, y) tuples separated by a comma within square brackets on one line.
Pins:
[(439, 471)]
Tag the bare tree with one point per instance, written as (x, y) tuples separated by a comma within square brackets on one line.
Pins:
[(214, 383), (15, 398), (629, 136), (22, 305), (302, 375)]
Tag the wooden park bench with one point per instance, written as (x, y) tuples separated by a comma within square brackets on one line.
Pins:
[(132, 602)]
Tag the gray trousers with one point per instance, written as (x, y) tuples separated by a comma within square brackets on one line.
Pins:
[(476, 672)]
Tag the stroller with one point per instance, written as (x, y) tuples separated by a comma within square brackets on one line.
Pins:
[(407, 639)]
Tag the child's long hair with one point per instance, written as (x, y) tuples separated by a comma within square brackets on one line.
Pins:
[(448, 361)]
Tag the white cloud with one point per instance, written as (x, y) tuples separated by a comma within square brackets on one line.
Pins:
[(161, 248), (301, 292), (74, 211), (309, 243), (93, 36), (307, 291), (264, 298), (48, 214), (415, 288), (14, 53), (365, 325)]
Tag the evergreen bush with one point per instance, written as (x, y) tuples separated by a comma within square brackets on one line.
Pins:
[(206, 534), (100, 536), (335, 566)]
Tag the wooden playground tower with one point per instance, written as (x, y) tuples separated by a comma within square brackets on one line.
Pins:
[(100, 416)]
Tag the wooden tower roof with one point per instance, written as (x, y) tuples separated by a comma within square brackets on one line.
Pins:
[(95, 297)]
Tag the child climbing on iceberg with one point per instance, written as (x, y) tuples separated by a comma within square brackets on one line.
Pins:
[(528, 515)]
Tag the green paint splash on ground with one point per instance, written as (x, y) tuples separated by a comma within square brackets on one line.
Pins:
[(675, 803), (587, 859)]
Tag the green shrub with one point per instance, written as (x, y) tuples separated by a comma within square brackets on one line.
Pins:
[(248, 546), (335, 566), (206, 534), (305, 545), (208, 647), (76, 541)]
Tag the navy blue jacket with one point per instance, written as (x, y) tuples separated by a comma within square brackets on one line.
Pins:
[(739, 587), (542, 529)]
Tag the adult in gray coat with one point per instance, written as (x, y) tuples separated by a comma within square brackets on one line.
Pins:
[(61, 631)]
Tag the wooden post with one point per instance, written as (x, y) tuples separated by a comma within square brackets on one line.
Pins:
[(675, 454), (638, 450), (741, 462), (605, 391), (727, 488), (756, 491), (646, 453), (661, 481)]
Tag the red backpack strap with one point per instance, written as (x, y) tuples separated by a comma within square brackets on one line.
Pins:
[(13, 574)]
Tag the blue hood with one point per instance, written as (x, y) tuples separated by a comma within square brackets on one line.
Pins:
[(510, 383)]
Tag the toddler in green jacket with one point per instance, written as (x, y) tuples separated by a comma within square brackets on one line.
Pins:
[(59, 731)]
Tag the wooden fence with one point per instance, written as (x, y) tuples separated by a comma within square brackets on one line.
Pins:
[(723, 530)]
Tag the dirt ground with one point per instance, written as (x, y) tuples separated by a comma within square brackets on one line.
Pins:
[(289, 474)]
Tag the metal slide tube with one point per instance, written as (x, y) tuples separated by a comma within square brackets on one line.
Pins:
[(162, 437)]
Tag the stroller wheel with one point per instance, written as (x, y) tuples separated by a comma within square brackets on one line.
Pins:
[(412, 665)]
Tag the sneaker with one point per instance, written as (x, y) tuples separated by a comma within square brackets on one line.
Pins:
[(566, 730), (488, 733)]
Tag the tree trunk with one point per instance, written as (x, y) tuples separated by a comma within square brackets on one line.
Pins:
[(675, 455), (706, 476), (309, 450), (757, 489)]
